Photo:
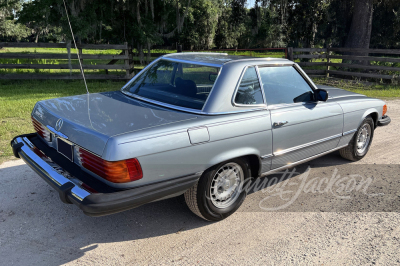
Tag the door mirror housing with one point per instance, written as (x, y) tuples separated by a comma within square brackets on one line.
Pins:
[(321, 95)]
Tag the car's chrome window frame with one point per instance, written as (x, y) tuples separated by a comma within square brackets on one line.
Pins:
[(264, 104), (313, 87), (175, 107)]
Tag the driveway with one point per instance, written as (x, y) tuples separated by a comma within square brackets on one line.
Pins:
[(289, 218)]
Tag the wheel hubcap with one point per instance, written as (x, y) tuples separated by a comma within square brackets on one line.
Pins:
[(363, 139), (225, 186)]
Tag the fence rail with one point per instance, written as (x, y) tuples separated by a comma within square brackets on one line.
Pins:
[(317, 62), (125, 55), (340, 61)]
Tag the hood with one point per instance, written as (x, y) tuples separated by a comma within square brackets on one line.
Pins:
[(334, 93), (90, 120)]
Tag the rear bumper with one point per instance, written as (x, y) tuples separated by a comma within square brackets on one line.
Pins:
[(95, 204), (384, 121)]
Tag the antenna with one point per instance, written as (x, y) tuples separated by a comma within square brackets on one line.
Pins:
[(77, 53)]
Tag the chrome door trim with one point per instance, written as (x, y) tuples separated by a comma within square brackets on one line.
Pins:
[(238, 85), (261, 86), (301, 161), (349, 132), (183, 61), (264, 157), (306, 145)]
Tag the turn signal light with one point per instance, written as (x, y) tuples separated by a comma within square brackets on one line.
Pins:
[(384, 110), (116, 172)]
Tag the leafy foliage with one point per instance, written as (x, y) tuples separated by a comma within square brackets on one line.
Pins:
[(197, 24)]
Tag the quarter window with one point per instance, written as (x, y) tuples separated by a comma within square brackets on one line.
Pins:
[(249, 91), (284, 85)]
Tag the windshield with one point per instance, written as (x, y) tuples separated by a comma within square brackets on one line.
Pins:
[(180, 84)]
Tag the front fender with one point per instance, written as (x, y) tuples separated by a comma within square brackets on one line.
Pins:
[(374, 112)]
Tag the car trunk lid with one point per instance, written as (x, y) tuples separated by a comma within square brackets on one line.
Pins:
[(90, 120)]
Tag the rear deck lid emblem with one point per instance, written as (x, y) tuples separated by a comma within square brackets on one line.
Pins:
[(59, 124)]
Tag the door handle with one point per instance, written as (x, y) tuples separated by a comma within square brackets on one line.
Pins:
[(280, 123)]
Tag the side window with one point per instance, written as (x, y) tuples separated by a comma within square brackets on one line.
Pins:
[(283, 85), (249, 91)]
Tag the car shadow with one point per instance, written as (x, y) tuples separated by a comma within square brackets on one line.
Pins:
[(331, 159)]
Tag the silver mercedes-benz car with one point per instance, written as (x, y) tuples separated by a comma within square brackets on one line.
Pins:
[(198, 124)]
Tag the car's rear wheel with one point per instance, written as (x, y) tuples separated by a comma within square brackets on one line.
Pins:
[(219, 193), (361, 142)]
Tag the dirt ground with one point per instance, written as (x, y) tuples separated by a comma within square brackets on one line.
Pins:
[(343, 225)]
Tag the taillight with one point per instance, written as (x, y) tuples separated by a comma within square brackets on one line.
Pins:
[(41, 130), (116, 172), (384, 110)]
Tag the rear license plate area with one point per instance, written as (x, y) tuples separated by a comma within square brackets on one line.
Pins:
[(65, 149)]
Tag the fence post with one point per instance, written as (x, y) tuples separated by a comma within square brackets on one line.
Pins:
[(131, 63), (69, 56), (290, 53), (328, 60), (127, 61), (80, 53)]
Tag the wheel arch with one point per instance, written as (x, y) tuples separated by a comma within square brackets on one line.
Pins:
[(252, 156), (374, 113)]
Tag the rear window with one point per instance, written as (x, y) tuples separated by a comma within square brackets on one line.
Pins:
[(180, 84)]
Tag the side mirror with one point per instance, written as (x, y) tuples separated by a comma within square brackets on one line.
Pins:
[(321, 95), (212, 77)]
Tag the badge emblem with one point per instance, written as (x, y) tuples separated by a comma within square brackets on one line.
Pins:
[(59, 124)]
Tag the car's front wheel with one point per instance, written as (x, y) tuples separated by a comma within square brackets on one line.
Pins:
[(219, 193), (361, 142)]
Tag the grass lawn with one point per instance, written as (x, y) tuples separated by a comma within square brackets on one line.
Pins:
[(17, 99)]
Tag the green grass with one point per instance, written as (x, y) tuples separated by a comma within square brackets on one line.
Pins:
[(374, 90), (17, 99)]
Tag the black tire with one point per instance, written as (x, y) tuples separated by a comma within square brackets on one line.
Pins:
[(198, 198), (350, 152)]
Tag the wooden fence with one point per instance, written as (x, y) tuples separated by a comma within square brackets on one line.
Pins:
[(317, 62), (125, 55), (369, 63)]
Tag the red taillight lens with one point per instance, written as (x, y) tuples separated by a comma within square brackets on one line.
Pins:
[(116, 172), (384, 110), (40, 129)]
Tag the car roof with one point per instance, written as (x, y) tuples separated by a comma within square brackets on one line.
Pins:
[(219, 59)]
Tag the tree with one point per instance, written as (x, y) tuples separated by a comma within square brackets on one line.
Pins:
[(10, 29), (359, 35)]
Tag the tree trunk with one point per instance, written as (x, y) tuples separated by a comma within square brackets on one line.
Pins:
[(361, 25), (360, 30)]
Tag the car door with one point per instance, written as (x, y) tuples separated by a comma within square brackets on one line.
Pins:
[(301, 127)]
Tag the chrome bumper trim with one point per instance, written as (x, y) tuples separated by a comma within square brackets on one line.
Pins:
[(349, 132), (45, 170), (55, 132)]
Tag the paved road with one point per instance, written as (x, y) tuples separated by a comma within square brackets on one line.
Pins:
[(305, 219)]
